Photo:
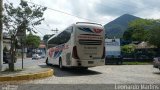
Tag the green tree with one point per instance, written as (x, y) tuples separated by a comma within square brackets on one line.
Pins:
[(138, 30), (19, 19), (24, 17), (33, 41), (128, 35), (154, 36), (128, 49)]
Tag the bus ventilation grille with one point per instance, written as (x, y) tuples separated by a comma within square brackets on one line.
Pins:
[(90, 42)]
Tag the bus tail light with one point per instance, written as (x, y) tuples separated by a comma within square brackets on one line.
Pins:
[(74, 53), (103, 56)]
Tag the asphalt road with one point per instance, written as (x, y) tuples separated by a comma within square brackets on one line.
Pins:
[(28, 62), (100, 77), (109, 74)]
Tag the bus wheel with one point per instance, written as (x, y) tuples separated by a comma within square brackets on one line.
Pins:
[(60, 64), (84, 68), (47, 62)]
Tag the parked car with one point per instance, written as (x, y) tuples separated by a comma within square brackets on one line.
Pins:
[(156, 62), (36, 56), (42, 55), (7, 57)]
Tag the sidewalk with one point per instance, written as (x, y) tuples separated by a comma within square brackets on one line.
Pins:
[(29, 73)]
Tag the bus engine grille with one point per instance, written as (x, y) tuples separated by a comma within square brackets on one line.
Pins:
[(90, 42)]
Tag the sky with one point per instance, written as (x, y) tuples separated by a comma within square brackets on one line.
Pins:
[(62, 13)]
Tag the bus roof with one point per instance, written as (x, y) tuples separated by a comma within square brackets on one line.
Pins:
[(88, 23), (78, 24)]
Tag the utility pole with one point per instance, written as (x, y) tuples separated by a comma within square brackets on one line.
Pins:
[(1, 35), (56, 30)]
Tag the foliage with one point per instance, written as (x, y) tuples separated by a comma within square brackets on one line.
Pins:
[(23, 17), (128, 48), (33, 41), (128, 35), (138, 30), (154, 36), (145, 30), (19, 19)]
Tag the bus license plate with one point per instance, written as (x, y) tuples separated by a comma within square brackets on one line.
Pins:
[(90, 62)]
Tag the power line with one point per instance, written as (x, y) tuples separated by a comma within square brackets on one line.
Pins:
[(38, 31), (47, 24), (32, 25), (44, 28), (61, 11), (54, 30)]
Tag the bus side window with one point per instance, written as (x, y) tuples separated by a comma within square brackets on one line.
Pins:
[(70, 29), (62, 38), (53, 41)]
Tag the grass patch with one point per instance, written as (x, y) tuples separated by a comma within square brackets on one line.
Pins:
[(137, 63)]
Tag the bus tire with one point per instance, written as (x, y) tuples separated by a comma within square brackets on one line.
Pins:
[(47, 62), (60, 63), (84, 68)]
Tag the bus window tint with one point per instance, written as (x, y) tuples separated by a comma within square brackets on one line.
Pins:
[(62, 38)]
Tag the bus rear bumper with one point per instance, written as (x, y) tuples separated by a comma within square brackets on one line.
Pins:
[(89, 63)]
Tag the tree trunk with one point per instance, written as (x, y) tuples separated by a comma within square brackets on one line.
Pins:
[(12, 52), (1, 35)]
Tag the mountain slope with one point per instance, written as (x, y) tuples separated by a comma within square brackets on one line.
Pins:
[(117, 27)]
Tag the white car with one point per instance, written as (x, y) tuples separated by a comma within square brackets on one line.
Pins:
[(36, 56)]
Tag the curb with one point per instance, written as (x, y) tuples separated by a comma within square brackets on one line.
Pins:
[(39, 75)]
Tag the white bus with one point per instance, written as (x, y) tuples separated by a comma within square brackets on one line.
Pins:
[(80, 45)]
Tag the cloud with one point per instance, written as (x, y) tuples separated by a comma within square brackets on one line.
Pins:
[(99, 11), (116, 7), (119, 7)]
